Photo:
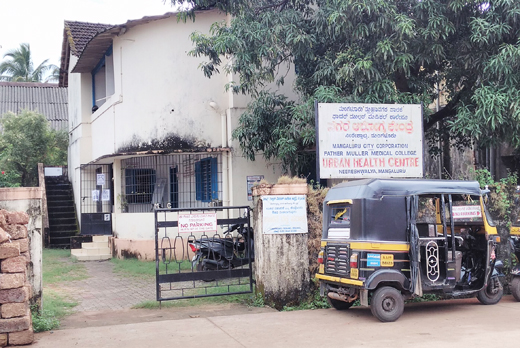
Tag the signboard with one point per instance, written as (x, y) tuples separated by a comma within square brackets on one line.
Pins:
[(370, 140), (467, 213), (284, 214), (95, 195), (191, 223), (251, 180)]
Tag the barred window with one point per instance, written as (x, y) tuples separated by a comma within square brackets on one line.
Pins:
[(139, 185)]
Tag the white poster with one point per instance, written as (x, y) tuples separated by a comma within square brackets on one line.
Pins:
[(283, 214), (95, 195), (100, 179), (370, 141), (189, 223), (105, 196)]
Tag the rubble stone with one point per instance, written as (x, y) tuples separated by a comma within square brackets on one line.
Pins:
[(14, 264), (12, 280), (17, 295), (22, 337), (13, 310), (4, 236), (17, 231), (23, 243), (17, 218), (9, 250), (3, 340), (15, 324)]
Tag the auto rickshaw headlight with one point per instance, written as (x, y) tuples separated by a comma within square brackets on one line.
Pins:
[(320, 257), (353, 260)]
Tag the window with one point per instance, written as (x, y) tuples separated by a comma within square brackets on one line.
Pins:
[(206, 179), (140, 185), (103, 79)]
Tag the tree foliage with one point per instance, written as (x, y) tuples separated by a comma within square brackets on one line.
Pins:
[(25, 141), (19, 67), (371, 51)]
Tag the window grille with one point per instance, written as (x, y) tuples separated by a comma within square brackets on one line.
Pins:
[(170, 181)]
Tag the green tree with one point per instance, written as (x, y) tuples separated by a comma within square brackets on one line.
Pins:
[(371, 51), (19, 67), (27, 140)]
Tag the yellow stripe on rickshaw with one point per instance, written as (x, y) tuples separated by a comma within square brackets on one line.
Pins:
[(339, 280), (340, 201), (379, 246)]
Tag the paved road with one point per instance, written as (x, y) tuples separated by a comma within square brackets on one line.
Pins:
[(454, 323)]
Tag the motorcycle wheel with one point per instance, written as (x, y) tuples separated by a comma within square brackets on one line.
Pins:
[(202, 268), (515, 288), (486, 296), (339, 305), (387, 304)]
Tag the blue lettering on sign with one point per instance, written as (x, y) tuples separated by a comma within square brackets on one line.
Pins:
[(373, 260)]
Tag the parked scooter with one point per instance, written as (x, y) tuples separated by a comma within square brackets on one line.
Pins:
[(224, 253)]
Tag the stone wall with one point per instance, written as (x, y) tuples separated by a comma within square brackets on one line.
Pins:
[(15, 289)]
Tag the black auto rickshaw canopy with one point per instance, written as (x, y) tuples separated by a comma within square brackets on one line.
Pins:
[(377, 208)]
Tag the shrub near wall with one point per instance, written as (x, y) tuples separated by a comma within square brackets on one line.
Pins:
[(15, 291)]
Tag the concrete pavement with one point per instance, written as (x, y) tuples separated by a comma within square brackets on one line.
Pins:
[(453, 323)]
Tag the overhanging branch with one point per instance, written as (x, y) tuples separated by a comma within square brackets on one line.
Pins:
[(445, 112)]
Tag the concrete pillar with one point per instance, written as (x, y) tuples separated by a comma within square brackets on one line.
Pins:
[(281, 259)]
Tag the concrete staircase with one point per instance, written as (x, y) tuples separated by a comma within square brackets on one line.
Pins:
[(96, 250)]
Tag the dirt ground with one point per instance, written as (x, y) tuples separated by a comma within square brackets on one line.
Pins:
[(106, 298), (130, 316)]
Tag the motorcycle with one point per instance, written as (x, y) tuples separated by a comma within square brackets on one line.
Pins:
[(223, 253)]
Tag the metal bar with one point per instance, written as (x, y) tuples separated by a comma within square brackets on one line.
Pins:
[(452, 226), (445, 232), (199, 296), (206, 275)]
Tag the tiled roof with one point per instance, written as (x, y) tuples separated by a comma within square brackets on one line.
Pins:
[(80, 34), (46, 98)]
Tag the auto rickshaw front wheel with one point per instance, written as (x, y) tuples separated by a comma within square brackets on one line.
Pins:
[(387, 304), (491, 294), (515, 288)]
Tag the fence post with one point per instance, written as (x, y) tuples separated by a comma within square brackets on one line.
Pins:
[(281, 257)]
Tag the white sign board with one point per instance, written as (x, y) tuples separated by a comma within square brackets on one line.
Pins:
[(370, 140), (100, 179), (467, 212), (190, 223), (284, 214), (95, 195), (105, 196)]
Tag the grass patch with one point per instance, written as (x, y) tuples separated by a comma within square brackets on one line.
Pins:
[(135, 268), (55, 307), (58, 267)]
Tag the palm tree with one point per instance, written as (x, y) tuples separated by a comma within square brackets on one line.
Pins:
[(20, 68)]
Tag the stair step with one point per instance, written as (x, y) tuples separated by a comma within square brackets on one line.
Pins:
[(91, 254), (95, 245), (100, 239)]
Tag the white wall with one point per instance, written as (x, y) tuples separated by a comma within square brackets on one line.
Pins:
[(160, 93)]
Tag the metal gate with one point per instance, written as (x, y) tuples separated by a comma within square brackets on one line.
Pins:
[(221, 236), (97, 197)]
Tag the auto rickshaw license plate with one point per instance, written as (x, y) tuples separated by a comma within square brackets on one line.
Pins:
[(387, 260)]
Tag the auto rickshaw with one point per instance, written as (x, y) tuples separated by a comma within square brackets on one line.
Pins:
[(389, 240)]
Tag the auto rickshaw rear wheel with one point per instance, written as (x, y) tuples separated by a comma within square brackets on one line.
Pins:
[(515, 288), (339, 305), (491, 294), (387, 304)]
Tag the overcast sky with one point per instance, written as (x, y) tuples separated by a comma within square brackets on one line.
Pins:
[(40, 22)]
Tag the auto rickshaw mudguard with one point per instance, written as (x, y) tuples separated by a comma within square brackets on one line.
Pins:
[(387, 276)]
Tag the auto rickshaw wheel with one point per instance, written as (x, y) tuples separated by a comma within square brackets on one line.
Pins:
[(339, 305), (490, 295), (515, 288), (387, 304)]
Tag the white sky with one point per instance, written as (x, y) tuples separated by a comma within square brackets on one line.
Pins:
[(40, 22)]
